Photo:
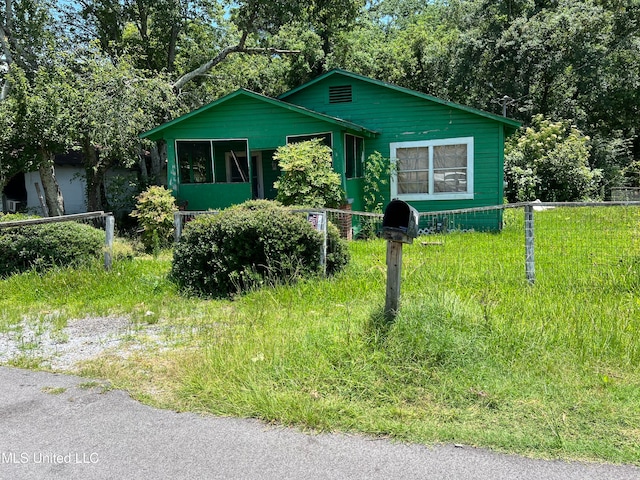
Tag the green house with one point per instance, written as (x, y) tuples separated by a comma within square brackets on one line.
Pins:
[(444, 156)]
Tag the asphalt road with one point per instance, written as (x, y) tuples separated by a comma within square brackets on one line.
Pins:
[(54, 427)]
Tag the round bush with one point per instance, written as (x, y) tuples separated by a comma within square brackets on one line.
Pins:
[(44, 246), (248, 245)]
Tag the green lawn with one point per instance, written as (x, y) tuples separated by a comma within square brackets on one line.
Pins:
[(476, 356)]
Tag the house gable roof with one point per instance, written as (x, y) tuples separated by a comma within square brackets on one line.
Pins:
[(504, 120), (156, 133)]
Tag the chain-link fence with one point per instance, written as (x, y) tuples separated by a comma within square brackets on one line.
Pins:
[(586, 243)]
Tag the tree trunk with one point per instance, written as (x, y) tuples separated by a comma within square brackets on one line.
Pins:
[(6, 51), (142, 164), (52, 194), (158, 160), (94, 177), (171, 50)]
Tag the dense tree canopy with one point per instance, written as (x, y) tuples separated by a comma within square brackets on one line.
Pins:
[(114, 68)]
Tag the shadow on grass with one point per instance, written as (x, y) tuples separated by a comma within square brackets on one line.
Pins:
[(378, 326)]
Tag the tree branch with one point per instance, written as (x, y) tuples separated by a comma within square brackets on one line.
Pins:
[(273, 51), (238, 48), (6, 51), (204, 68)]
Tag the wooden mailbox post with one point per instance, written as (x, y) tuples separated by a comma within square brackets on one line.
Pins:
[(399, 226)]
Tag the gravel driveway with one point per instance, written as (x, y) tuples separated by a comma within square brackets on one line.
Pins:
[(82, 339)]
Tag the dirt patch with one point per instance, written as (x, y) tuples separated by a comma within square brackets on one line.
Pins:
[(81, 339)]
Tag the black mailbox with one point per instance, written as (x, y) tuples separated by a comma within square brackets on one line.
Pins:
[(400, 222)]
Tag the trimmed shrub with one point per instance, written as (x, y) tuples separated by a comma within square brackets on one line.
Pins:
[(249, 245), (154, 210), (44, 246)]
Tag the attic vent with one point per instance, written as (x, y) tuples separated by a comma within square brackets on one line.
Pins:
[(340, 94)]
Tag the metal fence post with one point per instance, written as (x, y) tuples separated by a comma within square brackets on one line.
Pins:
[(323, 252), (530, 266), (177, 226), (108, 250)]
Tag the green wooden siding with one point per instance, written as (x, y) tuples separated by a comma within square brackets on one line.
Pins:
[(265, 126), (204, 196), (402, 117), (380, 113)]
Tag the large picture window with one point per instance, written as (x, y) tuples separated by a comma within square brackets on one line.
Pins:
[(432, 170)]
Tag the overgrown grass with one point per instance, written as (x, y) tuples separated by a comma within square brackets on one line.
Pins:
[(476, 355)]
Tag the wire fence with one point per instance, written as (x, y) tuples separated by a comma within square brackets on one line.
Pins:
[(100, 220), (592, 244), (579, 242)]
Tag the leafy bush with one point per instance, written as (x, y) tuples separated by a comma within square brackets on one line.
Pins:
[(248, 245), (307, 176), (154, 211), (48, 245), (549, 161), (337, 250)]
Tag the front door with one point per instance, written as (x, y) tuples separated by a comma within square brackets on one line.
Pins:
[(257, 177)]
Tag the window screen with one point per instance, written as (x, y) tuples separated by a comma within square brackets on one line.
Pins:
[(195, 161), (354, 156)]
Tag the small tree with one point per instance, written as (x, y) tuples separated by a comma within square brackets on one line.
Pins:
[(375, 176), (307, 176), (549, 161), (154, 211)]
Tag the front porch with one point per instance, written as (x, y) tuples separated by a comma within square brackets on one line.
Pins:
[(219, 173)]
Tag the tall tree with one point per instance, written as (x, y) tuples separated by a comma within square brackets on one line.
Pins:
[(43, 125), (114, 104), (577, 60), (26, 40), (25, 37), (172, 35)]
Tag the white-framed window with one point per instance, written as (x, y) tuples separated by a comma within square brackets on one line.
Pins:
[(432, 169)]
